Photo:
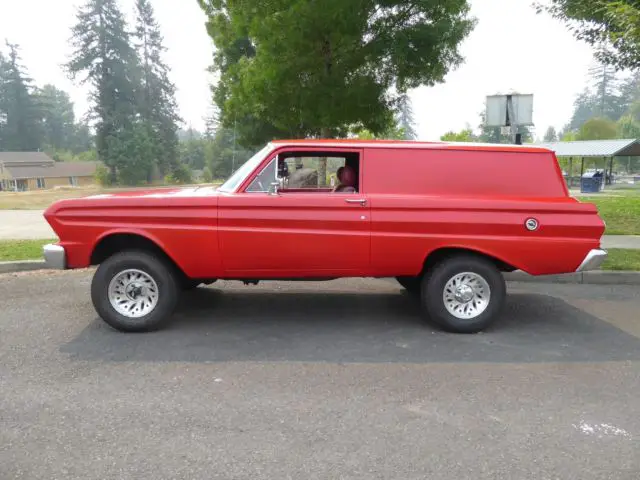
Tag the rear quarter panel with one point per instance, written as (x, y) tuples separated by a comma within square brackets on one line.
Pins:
[(425, 201)]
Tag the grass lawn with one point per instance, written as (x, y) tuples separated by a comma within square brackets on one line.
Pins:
[(22, 249), (620, 259), (621, 214)]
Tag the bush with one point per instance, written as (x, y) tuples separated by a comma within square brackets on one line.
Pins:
[(103, 176), (180, 174), (207, 177)]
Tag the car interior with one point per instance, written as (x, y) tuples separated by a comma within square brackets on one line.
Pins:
[(300, 172)]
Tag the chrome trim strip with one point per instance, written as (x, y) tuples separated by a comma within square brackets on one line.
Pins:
[(55, 257), (593, 260)]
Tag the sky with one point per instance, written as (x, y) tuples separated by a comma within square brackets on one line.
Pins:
[(511, 49)]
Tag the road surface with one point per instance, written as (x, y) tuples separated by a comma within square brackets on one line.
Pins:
[(340, 380)]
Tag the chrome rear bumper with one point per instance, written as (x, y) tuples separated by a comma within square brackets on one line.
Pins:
[(55, 257), (593, 260)]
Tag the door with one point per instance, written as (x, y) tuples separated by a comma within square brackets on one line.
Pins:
[(305, 229)]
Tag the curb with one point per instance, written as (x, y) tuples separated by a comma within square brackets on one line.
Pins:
[(22, 266), (596, 277)]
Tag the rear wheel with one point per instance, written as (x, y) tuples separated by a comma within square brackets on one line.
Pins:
[(134, 291), (464, 294)]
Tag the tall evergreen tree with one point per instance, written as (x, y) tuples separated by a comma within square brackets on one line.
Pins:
[(104, 58), (58, 118), (405, 118), (551, 135), (19, 113), (606, 92), (157, 104)]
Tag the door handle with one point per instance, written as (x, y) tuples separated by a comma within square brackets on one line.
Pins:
[(361, 201)]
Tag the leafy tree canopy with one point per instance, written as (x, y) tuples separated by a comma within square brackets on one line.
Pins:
[(598, 129), (615, 23), (465, 135), (297, 68)]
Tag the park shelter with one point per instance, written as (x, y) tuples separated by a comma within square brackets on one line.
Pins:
[(606, 150)]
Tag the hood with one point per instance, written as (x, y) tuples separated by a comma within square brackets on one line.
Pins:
[(169, 196), (167, 192)]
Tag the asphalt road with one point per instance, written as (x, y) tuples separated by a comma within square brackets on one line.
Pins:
[(340, 380)]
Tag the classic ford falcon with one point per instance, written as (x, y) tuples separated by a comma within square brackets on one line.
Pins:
[(444, 219)]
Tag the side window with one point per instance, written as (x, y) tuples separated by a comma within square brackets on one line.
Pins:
[(319, 172), (264, 179)]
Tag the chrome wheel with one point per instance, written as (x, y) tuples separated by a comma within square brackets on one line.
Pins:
[(133, 293), (466, 295)]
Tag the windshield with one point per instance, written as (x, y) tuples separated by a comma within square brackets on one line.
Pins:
[(238, 177)]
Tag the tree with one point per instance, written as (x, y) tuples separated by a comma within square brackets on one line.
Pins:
[(465, 135), (607, 101), (494, 134), (551, 135), (104, 58), (156, 95), (598, 129), (327, 71), (628, 127), (19, 113), (58, 118), (207, 176), (615, 23), (405, 118), (192, 152), (584, 107)]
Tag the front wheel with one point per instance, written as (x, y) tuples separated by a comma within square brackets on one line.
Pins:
[(464, 294), (134, 291)]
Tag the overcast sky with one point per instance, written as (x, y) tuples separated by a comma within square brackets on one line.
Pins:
[(511, 48)]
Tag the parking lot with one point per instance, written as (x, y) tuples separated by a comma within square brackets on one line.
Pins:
[(318, 381)]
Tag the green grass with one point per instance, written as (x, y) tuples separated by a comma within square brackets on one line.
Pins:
[(620, 259), (621, 214), (22, 249)]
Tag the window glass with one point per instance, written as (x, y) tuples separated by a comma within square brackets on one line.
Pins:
[(319, 172), (245, 170), (310, 172), (264, 179)]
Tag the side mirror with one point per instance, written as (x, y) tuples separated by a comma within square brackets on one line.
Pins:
[(273, 188)]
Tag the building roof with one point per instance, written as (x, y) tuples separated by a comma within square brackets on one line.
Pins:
[(35, 158), (595, 148), (57, 169)]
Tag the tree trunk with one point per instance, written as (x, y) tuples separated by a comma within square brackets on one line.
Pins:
[(322, 162)]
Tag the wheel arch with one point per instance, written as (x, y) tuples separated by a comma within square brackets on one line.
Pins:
[(116, 241), (442, 253)]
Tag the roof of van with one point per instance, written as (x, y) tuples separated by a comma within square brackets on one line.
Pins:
[(345, 142)]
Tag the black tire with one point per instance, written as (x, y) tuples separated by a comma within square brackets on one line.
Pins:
[(412, 285), (433, 287), (190, 284), (158, 269)]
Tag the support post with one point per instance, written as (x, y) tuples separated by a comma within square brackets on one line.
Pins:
[(611, 171), (516, 137), (570, 172)]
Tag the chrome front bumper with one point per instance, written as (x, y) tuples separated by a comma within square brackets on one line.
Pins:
[(55, 257), (593, 260)]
